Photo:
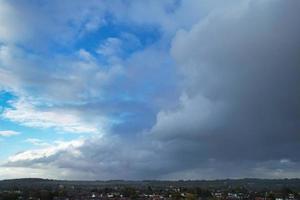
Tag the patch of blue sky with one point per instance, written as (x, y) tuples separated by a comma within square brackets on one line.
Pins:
[(5, 98), (17, 143), (146, 35)]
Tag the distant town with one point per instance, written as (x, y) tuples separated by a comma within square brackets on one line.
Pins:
[(252, 189)]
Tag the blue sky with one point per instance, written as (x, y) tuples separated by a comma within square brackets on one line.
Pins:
[(162, 89)]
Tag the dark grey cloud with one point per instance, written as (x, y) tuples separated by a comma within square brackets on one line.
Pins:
[(241, 99)]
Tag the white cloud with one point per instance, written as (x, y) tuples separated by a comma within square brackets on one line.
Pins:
[(77, 76), (27, 114), (8, 133), (37, 142), (46, 152), (111, 46)]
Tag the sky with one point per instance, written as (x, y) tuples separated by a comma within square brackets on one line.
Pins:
[(160, 89)]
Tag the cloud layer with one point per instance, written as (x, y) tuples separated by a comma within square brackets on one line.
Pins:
[(215, 96)]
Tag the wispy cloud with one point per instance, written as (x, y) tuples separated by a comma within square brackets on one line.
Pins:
[(26, 114), (9, 133), (37, 142)]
